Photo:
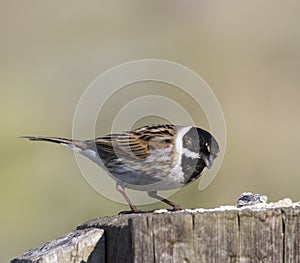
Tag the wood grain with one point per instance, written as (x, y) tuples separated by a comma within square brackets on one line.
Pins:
[(233, 235)]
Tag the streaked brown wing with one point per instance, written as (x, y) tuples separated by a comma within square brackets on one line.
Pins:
[(137, 143)]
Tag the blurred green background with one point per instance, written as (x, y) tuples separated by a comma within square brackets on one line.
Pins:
[(247, 51)]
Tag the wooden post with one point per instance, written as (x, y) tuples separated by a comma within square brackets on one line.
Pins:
[(216, 235)]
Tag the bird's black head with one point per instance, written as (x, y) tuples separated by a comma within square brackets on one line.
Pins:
[(209, 147), (197, 140)]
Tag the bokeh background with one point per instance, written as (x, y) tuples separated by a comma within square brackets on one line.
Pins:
[(247, 51)]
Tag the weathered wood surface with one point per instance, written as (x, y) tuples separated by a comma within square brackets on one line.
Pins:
[(78, 246), (234, 235)]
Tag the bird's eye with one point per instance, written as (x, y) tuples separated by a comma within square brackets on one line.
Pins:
[(207, 147)]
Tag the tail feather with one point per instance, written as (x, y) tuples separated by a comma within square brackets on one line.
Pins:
[(67, 142), (48, 139)]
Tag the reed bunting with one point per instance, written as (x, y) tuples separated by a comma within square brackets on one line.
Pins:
[(150, 158)]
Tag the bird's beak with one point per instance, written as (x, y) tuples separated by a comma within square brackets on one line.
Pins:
[(208, 161)]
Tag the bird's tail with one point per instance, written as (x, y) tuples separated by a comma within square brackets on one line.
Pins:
[(80, 145)]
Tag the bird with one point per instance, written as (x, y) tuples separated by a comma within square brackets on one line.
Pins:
[(150, 158)]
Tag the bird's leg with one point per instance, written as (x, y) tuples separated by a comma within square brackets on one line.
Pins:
[(154, 194), (122, 191)]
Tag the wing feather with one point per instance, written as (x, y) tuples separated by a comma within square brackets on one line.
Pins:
[(138, 143)]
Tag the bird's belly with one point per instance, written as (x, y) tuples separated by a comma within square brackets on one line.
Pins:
[(147, 175), (146, 182)]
